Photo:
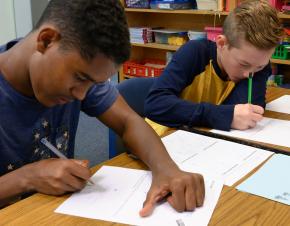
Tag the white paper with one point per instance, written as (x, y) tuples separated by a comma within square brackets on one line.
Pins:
[(281, 104), (269, 130), (213, 158), (118, 196)]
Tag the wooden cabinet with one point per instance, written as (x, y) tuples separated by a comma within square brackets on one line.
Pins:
[(182, 20)]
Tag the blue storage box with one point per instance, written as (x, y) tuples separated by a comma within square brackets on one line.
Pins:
[(137, 3), (173, 4)]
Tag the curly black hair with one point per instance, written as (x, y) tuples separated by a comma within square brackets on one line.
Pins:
[(90, 26)]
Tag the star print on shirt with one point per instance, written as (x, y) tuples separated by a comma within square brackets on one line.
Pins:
[(59, 145), (36, 136), (36, 150), (45, 123), (65, 134), (10, 167)]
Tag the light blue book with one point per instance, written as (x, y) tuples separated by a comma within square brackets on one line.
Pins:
[(271, 181)]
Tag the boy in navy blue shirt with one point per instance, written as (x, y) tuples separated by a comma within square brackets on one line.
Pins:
[(47, 78)]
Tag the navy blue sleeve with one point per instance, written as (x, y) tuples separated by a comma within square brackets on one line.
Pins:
[(163, 104), (99, 99)]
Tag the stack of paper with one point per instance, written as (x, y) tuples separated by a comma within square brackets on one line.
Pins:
[(118, 195), (213, 158)]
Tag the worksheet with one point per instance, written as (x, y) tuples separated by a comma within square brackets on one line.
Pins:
[(281, 104), (118, 196), (271, 181), (215, 158), (268, 130)]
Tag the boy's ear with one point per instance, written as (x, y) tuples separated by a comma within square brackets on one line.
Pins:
[(46, 38), (221, 41)]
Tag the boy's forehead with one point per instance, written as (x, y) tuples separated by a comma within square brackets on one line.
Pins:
[(247, 51), (97, 69)]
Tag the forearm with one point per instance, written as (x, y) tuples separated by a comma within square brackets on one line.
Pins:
[(13, 184), (175, 112), (172, 111), (144, 143)]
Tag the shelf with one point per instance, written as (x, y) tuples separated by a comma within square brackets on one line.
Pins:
[(157, 46), (182, 19), (188, 11), (130, 76), (278, 61), (174, 48), (191, 12), (284, 16)]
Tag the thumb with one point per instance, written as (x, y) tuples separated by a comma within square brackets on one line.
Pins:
[(148, 206), (84, 163)]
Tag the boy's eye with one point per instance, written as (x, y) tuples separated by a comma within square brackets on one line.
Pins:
[(245, 65), (81, 78)]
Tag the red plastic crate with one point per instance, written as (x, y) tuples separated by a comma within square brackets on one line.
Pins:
[(213, 32), (138, 68)]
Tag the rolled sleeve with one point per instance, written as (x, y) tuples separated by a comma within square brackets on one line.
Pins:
[(99, 99)]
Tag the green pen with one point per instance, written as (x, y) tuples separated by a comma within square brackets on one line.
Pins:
[(250, 87)]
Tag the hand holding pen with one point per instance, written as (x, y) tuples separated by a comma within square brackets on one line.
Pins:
[(58, 153), (247, 115)]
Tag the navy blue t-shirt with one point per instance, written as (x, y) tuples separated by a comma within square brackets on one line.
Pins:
[(24, 121)]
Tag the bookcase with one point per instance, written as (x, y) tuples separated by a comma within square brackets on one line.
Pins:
[(184, 20)]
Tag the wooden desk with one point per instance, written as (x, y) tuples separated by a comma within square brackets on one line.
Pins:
[(272, 94), (233, 208)]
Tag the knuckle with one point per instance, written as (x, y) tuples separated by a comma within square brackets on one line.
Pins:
[(58, 190), (177, 187), (178, 208), (58, 175), (191, 207), (81, 185)]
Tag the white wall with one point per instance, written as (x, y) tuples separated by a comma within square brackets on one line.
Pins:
[(22, 15), (37, 7), (17, 17), (7, 22)]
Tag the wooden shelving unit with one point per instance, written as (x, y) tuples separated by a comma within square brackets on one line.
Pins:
[(189, 11), (278, 61), (177, 19), (157, 46), (284, 16)]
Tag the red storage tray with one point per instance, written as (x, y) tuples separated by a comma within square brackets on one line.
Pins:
[(138, 68)]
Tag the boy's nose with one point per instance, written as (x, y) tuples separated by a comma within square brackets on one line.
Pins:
[(79, 92), (246, 74)]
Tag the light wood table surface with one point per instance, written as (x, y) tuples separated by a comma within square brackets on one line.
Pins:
[(233, 208)]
